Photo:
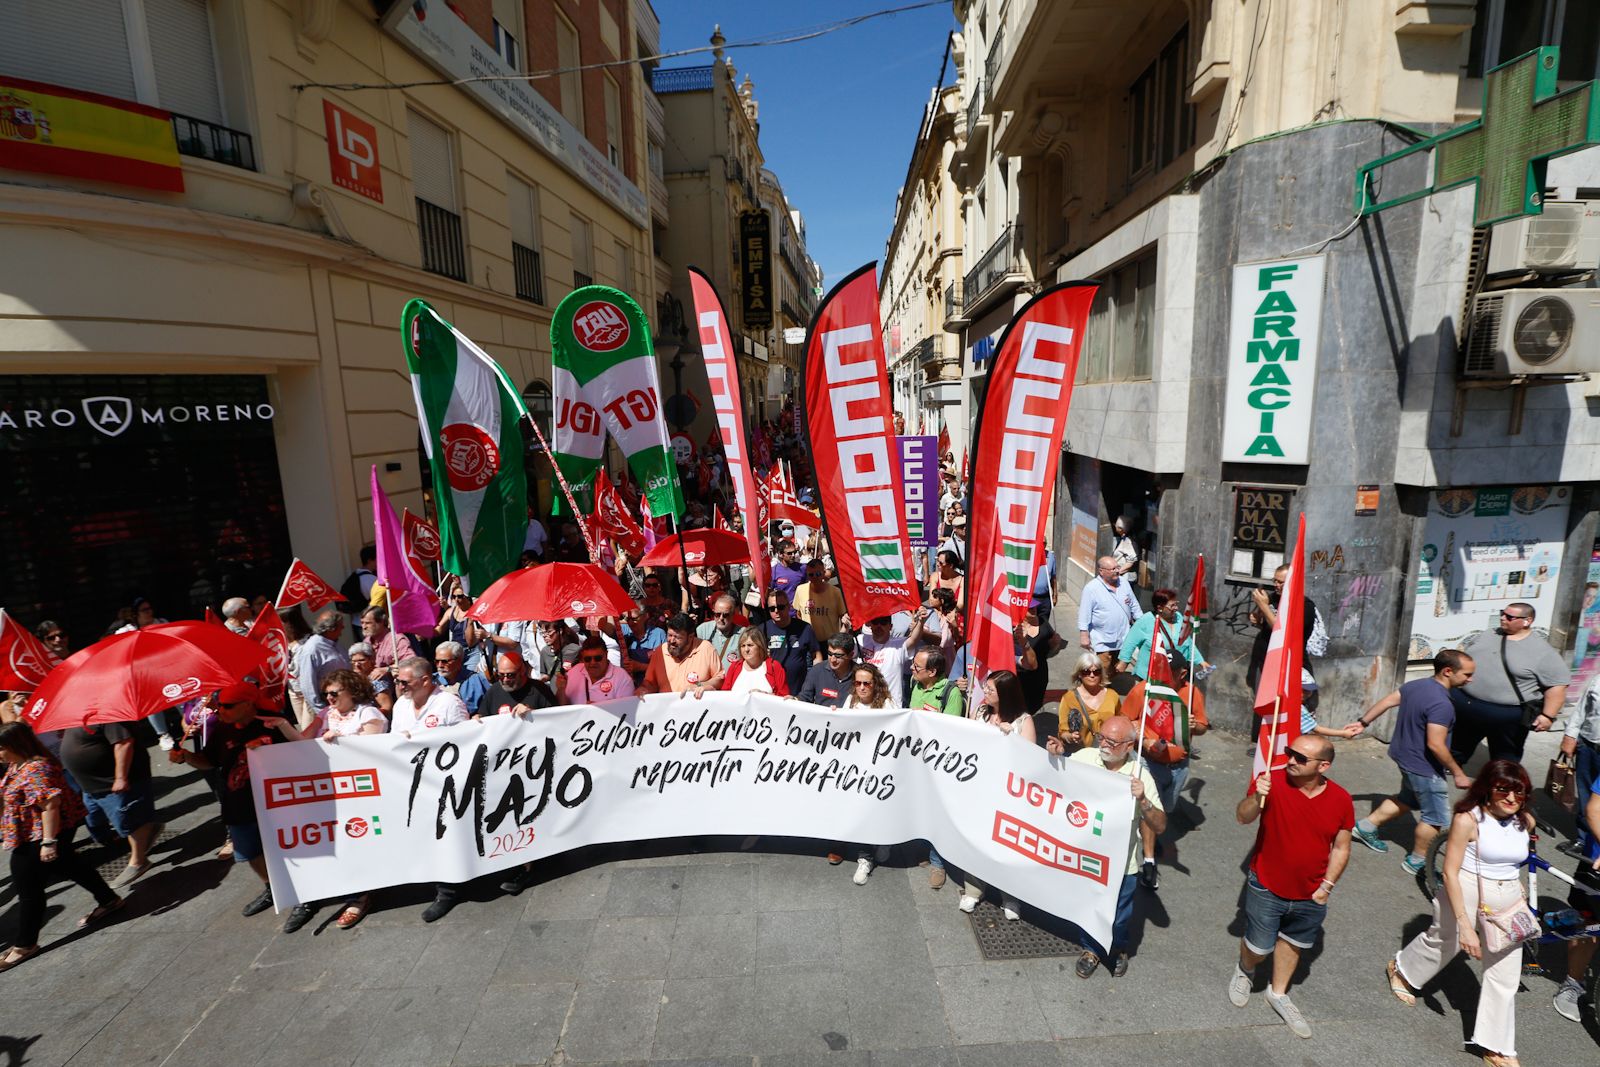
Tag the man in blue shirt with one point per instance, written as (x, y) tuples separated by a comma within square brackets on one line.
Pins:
[(1106, 610), (452, 675), (1420, 747)]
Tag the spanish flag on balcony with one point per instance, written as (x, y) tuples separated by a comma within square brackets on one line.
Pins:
[(52, 130)]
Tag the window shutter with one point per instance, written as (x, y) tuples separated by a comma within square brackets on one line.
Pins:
[(81, 45), (186, 65), (521, 201), (433, 171)]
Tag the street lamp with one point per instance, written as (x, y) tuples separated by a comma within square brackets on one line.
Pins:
[(671, 335)]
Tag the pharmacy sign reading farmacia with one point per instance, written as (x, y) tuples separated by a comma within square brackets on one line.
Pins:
[(1525, 123)]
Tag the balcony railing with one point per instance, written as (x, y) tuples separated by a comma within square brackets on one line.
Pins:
[(680, 79), (580, 279), (997, 53), (954, 308), (443, 250), (975, 106), (655, 115), (528, 268), (925, 351), (998, 262), (207, 140), (792, 313)]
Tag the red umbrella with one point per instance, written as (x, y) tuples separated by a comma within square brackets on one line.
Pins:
[(130, 675), (551, 591), (701, 548)]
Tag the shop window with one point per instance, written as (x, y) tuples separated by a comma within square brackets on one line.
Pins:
[(1120, 339), (1160, 117), (1505, 29)]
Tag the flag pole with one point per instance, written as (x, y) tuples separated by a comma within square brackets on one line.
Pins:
[(1272, 745), (394, 634), (1144, 706), (566, 490)]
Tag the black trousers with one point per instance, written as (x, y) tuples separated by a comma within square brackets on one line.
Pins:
[(1478, 720), (31, 876)]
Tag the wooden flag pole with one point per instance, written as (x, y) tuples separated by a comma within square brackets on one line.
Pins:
[(394, 634), (1272, 746)]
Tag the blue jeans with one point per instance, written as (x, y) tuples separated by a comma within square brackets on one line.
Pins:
[(1169, 779), (1122, 925), (159, 721), (935, 860), (1586, 771)]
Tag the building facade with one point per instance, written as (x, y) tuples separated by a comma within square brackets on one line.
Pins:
[(1198, 159), (197, 374)]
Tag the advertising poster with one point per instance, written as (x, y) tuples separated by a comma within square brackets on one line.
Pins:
[(919, 471), (1482, 549), (1586, 648)]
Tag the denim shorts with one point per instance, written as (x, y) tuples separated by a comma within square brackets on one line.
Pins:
[(1426, 795), (246, 838), (1267, 917), (126, 811)]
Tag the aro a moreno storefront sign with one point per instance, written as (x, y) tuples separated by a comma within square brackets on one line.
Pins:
[(112, 416), (1272, 361)]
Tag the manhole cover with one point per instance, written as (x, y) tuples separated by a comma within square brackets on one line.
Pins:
[(1001, 939)]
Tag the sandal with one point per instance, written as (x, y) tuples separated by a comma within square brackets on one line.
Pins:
[(101, 912), (1495, 1059), (16, 956), (1398, 985), (352, 914), (225, 852)]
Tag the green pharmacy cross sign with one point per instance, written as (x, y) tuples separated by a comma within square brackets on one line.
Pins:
[(1525, 122)]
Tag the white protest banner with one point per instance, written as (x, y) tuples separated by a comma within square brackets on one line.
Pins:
[(451, 804)]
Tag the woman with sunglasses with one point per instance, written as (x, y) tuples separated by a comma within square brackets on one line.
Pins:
[(1084, 708), (867, 689), (597, 680), (1483, 856)]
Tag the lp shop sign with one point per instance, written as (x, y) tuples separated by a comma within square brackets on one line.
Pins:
[(1272, 361)]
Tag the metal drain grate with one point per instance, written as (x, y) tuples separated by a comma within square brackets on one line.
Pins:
[(1000, 939)]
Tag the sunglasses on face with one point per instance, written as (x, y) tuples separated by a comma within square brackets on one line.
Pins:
[(401, 683), (1510, 791), (1508, 615), (777, 607), (594, 659), (332, 694), (1094, 670), (652, 585), (56, 637), (1106, 742), (1300, 758), (722, 614), (864, 685), (443, 659), (834, 653), (506, 677)]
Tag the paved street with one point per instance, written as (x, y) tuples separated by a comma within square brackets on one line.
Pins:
[(763, 957)]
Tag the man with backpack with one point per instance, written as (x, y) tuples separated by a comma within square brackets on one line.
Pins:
[(357, 588)]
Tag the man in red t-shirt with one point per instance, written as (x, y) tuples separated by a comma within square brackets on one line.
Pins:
[(1301, 849)]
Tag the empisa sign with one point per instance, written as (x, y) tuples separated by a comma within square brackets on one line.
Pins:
[(1272, 361)]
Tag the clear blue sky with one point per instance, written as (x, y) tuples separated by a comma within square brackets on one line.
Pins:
[(839, 113)]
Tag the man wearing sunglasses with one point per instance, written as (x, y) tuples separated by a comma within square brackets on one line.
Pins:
[(453, 677), (1420, 747), (515, 691), (789, 641), (722, 629), (1522, 687), (828, 683), (1301, 850), (597, 680)]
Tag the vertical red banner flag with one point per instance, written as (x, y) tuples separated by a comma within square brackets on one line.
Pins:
[(421, 542), (1015, 454), (849, 417), (24, 659), (1278, 693), (268, 631), (711, 322)]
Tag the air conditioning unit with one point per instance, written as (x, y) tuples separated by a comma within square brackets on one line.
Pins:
[(1566, 237), (1517, 332)]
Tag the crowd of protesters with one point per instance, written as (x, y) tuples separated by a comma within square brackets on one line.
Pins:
[(691, 632)]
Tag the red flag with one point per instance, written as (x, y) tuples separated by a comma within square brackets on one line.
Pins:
[(1018, 446), (944, 442), (722, 373), (848, 413), (1278, 693), (421, 541), (1197, 589), (268, 631), (611, 518), (302, 585), (24, 659), (213, 618)]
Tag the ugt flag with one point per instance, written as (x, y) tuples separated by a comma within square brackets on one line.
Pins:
[(604, 367), (847, 411), (1016, 451), (24, 659), (469, 415), (1278, 693)]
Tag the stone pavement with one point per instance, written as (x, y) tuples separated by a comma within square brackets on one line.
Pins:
[(765, 958)]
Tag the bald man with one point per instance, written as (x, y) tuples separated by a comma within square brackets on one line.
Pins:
[(1106, 611), (1301, 850)]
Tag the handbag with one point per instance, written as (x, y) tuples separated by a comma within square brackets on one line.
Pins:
[(1561, 782), (1508, 927), (1531, 709)]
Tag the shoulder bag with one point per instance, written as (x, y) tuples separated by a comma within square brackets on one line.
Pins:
[(1531, 709), (1511, 925), (1561, 782)]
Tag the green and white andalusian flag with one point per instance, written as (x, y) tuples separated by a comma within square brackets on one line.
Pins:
[(469, 414), (606, 380)]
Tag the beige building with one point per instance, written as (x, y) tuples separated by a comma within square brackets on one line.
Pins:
[(1161, 147), (194, 382), (730, 219), (921, 279)]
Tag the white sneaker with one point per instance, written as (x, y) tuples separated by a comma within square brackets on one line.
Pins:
[(1239, 988), (167, 744), (1567, 1000), (863, 868), (1012, 914), (968, 904), (1289, 1013)]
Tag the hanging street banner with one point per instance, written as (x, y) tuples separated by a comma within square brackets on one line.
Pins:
[(1016, 452), (755, 264), (847, 409), (470, 416), (453, 803), (722, 372), (50, 129), (919, 473), (1272, 361), (606, 379)]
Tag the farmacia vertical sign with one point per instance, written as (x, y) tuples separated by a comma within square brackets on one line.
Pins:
[(1272, 361)]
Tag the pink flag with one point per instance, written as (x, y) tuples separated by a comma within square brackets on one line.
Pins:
[(411, 604)]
